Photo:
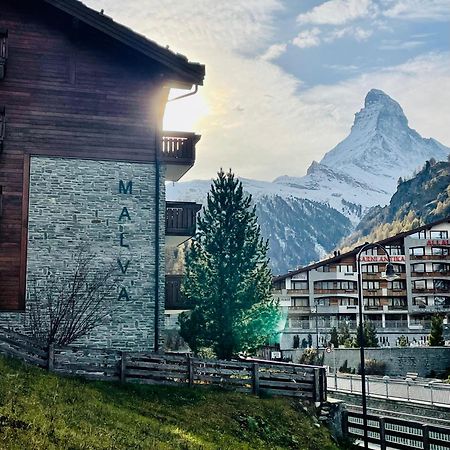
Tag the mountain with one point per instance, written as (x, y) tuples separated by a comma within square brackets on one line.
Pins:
[(305, 217), (422, 199)]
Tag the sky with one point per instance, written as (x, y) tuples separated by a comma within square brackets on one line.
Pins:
[(284, 78)]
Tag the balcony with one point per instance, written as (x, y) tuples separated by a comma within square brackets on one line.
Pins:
[(436, 258), (174, 298), (181, 221), (298, 291), (178, 153), (430, 274)]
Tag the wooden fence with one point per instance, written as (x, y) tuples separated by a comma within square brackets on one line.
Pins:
[(250, 376), (394, 433)]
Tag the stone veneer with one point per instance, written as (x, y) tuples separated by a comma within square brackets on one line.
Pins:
[(75, 202)]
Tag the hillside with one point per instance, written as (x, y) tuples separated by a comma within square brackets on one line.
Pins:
[(42, 411), (422, 199)]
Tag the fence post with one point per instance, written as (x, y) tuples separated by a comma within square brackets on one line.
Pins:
[(426, 437), (345, 432), (190, 369), (255, 378), (51, 358), (382, 434), (123, 367), (431, 392), (316, 394)]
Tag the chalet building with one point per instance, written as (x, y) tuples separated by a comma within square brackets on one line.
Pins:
[(84, 160), (324, 295)]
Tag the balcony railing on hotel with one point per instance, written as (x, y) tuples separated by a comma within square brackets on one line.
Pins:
[(179, 146), (181, 218), (174, 298)]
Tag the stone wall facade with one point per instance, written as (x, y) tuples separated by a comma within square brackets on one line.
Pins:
[(108, 207)]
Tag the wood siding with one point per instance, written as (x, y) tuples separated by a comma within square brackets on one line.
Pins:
[(68, 91)]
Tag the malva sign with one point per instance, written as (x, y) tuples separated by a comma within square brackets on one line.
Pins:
[(124, 215)]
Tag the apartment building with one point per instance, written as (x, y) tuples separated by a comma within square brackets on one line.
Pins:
[(318, 297), (84, 160)]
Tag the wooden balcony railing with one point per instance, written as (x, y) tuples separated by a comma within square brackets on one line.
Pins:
[(2, 126), (430, 257), (430, 274), (181, 218), (3, 52), (174, 298), (179, 147)]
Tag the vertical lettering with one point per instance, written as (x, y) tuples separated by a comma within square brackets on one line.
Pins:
[(121, 241), (123, 295), (128, 189), (123, 268), (124, 213)]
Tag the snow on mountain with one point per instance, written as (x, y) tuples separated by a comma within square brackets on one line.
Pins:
[(360, 172)]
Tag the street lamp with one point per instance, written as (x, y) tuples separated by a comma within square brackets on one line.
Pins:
[(390, 275)]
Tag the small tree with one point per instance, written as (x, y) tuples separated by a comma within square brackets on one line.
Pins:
[(437, 331), (370, 333), (310, 340), (69, 306), (296, 343), (402, 341), (227, 279), (334, 338), (343, 334)]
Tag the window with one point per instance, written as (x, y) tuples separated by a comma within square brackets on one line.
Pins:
[(421, 302), (397, 285), (374, 302), (418, 268), (422, 234), (299, 301), (440, 251), (322, 301), (371, 285), (440, 267), (370, 268), (346, 285), (438, 234), (417, 251), (3, 52), (394, 250), (419, 284), (442, 301), (344, 268), (398, 268), (346, 301), (299, 284), (325, 268), (370, 251), (396, 302), (441, 285)]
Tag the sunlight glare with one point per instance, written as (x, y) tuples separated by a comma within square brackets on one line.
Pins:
[(186, 113)]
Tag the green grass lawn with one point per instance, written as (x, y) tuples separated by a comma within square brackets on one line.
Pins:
[(43, 411)]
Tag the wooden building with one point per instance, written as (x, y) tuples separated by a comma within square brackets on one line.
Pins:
[(84, 157)]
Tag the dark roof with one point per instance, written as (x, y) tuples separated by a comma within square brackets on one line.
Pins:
[(356, 249), (192, 73)]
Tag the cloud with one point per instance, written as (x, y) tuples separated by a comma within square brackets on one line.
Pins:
[(338, 12), (438, 10), (262, 121), (307, 38), (400, 45), (358, 33), (274, 52)]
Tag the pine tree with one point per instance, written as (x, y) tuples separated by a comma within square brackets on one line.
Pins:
[(228, 281), (437, 331), (370, 334), (344, 334)]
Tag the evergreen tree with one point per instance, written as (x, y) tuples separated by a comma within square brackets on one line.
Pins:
[(228, 281), (437, 331), (344, 334), (334, 338), (369, 335)]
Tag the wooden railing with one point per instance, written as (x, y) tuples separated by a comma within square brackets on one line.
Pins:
[(395, 433), (179, 147), (251, 376), (174, 297), (181, 218)]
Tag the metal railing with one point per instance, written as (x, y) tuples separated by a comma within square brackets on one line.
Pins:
[(433, 392)]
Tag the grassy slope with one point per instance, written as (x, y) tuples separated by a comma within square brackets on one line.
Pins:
[(42, 411)]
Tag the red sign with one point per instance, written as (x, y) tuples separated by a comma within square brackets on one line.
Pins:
[(432, 242), (383, 258)]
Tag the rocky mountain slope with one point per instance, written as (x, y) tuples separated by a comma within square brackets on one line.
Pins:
[(422, 199), (305, 217)]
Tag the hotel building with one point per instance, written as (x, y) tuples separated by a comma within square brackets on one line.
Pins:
[(320, 296)]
